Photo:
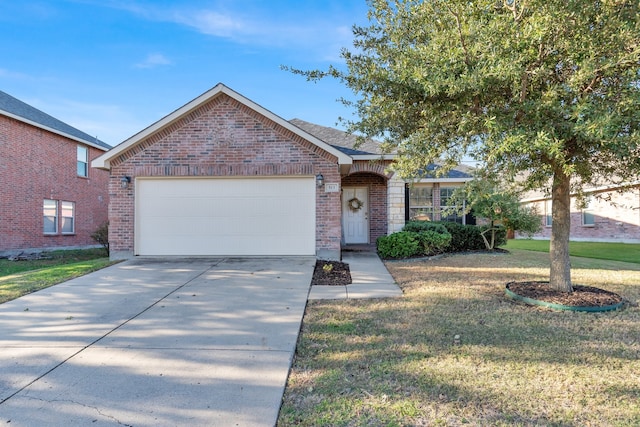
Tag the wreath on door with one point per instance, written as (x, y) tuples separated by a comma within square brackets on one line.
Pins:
[(355, 204)]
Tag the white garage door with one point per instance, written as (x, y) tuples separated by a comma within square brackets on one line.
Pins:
[(225, 216)]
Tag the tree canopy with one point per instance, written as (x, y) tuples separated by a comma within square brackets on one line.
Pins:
[(544, 93)]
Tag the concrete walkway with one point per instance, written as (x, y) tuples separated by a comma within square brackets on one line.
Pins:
[(151, 342), (154, 343), (370, 279)]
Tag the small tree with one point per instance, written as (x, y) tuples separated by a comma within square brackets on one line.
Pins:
[(499, 207), (101, 235), (504, 209)]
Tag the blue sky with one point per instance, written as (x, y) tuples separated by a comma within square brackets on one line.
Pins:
[(113, 67)]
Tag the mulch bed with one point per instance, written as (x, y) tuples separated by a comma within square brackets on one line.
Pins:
[(582, 296), (331, 273)]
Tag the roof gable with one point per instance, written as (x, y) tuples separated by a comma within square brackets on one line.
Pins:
[(16, 109), (104, 161)]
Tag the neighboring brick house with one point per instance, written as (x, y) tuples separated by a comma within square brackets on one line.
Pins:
[(50, 198), (611, 214), (224, 176)]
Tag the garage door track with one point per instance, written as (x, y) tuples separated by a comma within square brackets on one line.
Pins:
[(153, 342)]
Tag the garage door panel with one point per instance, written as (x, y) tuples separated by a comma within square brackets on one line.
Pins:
[(265, 216)]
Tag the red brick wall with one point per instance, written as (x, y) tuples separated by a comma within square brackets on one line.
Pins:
[(377, 186), (223, 138), (35, 165), (617, 218)]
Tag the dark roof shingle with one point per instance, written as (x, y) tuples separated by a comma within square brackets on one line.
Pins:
[(459, 171), (339, 139), (17, 108)]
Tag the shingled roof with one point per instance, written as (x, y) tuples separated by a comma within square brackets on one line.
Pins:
[(460, 171), (16, 109), (345, 142), (341, 140)]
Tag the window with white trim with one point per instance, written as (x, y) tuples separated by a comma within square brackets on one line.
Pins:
[(50, 216), (547, 213), (445, 202), (421, 202), (82, 161), (67, 215), (588, 218)]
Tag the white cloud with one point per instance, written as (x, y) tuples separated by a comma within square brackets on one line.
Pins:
[(319, 33), (211, 23), (4, 73), (154, 60)]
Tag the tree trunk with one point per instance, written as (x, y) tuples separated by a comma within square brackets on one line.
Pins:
[(560, 277)]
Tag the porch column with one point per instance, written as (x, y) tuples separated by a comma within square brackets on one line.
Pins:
[(437, 216), (395, 205)]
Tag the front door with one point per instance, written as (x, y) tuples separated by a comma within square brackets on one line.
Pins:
[(355, 215)]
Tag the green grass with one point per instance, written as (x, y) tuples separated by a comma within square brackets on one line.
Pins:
[(396, 362), (624, 252), (18, 278), (51, 258)]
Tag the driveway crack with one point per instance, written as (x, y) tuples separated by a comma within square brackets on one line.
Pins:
[(73, 402)]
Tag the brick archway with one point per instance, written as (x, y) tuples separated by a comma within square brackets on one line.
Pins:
[(370, 167)]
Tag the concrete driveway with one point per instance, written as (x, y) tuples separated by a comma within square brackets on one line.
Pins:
[(197, 342)]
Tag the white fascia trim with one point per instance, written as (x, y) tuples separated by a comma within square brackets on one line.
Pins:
[(373, 157), (103, 161), (441, 180), (57, 132)]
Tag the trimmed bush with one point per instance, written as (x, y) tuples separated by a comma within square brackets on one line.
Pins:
[(433, 242), (420, 226), (463, 237), (468, 238), (403, 244)]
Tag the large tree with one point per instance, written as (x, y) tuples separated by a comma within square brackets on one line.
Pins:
[(544, 93)]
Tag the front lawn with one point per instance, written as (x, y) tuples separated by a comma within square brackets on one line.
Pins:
[(612, 251), (18, 278), (455, 351)]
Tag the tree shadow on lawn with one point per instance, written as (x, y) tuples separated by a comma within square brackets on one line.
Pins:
[(456, 344), (499, 373)]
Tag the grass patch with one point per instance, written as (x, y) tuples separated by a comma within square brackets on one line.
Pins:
[(18, 278), (625, 252), (395, 362), (52, 258)]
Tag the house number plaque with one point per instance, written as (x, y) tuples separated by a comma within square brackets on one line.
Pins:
[(331, 188)]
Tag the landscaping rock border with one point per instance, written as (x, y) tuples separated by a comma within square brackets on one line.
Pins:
[(566, 307)]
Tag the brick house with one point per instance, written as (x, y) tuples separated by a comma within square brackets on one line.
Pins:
[(50, 198), (611, 214), (224, 176)]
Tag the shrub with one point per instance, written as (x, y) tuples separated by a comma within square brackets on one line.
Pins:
[(403, 244), (463, 237), (101, 235), (433, 242), (420, 226), (469, 238)]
